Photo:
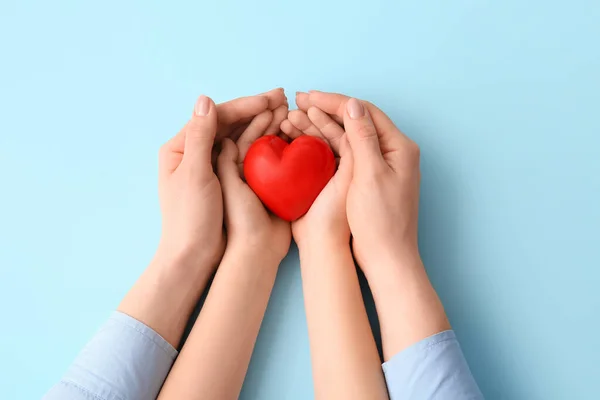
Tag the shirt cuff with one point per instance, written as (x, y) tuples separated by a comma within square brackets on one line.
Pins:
[(434, 368), (124, 360)]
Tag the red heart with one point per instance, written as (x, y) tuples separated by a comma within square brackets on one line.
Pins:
[(288, 177)]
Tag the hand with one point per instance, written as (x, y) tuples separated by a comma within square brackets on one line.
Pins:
[(251, 229), (337, 321), (189, 191), (382, 209), (383, 195), (326, 221)]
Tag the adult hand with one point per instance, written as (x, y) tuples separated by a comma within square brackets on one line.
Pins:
[(189, 191), (192, 239), (213, 362), (382, 208), (383, 196)]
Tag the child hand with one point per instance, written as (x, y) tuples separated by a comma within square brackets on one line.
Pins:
[(251, 230), (326, 221)]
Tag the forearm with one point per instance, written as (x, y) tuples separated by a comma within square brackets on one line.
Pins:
[(344, 356), (130, 356), (423, 357), (165, 295), (215, 357), (408, 307)]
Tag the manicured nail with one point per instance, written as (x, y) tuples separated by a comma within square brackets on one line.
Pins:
[(355, 109), (202, 106)]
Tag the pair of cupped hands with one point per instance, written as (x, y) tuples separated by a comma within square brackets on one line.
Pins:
[(208, 209)]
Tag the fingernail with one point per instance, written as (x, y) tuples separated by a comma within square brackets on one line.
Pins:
[(355, 109), (202, 106)]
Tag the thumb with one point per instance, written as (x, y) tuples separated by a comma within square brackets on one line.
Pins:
[(200, 133), (363, 138), (227, 168)]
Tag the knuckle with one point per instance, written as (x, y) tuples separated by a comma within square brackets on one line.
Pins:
[(163, 150), (194, 124), (366, 131), (410, 150), (414, 150)]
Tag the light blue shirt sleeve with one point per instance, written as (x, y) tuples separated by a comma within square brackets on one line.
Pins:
[(434, 368), (125, 360)]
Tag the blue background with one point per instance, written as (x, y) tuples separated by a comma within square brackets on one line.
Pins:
[(503, 98)]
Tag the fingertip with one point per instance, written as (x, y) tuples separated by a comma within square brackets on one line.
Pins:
[(227, 146), (279, 114), (355, 109), (227, 156), (228, 151), (290, 130), (314, 112), (302, 100), (296, 117), (275, 98), (203, 106), (285, 98), (286, 126)]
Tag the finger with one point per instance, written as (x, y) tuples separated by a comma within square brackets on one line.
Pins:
[(290, 130), (241, 109), (200, 133), (327, 103), (335, 104), (171, 153), (279, 114), (302, 101), (239, 112), (363, 139), (227, 169), (331, 103), (331, 130), (275, 98), (255, 130), (301, 121), (237, 131)]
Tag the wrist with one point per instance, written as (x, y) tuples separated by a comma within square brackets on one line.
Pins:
[(179, 267), (190, 257), (381, 266), (256, 256)]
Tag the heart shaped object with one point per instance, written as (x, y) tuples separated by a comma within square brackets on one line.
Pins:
[(288, 177)]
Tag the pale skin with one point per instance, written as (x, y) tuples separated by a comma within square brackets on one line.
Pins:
[(215, 357), (192, 241), (382, 210), (344, 356), (373, 196)]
